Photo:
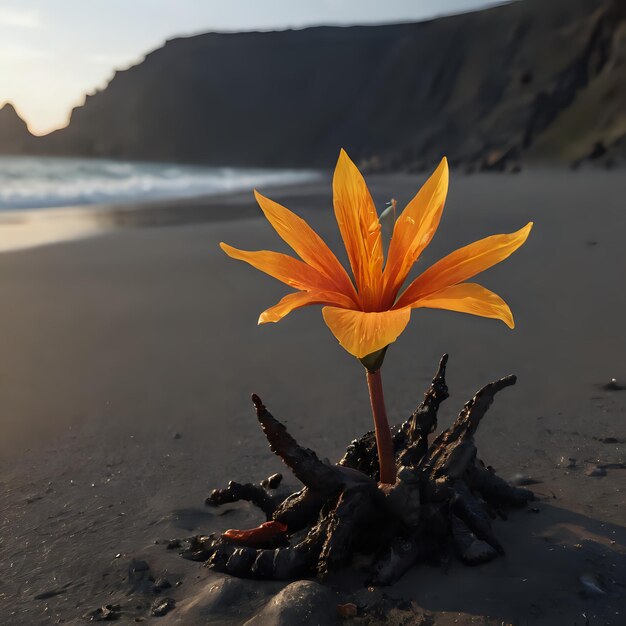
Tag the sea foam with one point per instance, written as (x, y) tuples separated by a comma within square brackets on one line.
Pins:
[(42, 182)]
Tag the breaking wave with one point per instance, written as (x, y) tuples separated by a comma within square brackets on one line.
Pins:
[(41, 182)]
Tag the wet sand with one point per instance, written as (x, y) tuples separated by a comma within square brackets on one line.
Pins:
[(114, 343)]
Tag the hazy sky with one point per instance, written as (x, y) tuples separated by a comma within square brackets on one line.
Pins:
[(52, 52)]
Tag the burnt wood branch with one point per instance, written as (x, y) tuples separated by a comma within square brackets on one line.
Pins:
[(444, 496), (354, 508), (453, 450), (256, 494), (410, 439), (423, 421), (495, 489)]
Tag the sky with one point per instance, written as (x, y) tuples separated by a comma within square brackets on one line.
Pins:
[(53, 52)]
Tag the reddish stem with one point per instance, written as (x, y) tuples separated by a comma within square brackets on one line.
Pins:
[(384, 442)]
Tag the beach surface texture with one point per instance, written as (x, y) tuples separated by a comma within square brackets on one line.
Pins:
[(129, 355)]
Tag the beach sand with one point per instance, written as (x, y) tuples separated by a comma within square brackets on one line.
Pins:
[(113, 344)]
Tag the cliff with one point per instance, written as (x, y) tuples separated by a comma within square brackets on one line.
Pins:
[(527, 80), (14, 135)]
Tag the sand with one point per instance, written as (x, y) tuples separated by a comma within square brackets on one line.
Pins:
[(114, 343)]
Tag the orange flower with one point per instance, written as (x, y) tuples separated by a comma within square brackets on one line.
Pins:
[(367, 315)]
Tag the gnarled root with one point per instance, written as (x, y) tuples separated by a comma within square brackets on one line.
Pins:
[(256, 494), (443, 496)]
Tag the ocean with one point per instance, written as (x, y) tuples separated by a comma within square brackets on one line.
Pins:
[(45, 182)]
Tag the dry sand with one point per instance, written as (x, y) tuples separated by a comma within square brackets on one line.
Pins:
[(112, 344)]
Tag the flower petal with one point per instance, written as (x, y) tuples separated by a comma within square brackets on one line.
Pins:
[(469, 298), (306, 243), (299, 299), (362, 333), (294, 273), (360, 229), (463, 264), (414, 230)]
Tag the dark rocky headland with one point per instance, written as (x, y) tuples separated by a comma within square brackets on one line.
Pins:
[(524, 82)]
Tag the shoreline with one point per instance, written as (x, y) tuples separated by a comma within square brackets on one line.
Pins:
[(22, 229)]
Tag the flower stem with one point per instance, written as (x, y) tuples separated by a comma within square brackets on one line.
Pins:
[(384, 442)]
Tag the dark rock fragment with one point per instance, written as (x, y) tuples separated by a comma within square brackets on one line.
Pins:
[(106, 613), (162, 606), (160, 584), (302, 602)]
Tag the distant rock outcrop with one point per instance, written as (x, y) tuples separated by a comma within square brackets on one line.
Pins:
[(15, 137), (528, 80)]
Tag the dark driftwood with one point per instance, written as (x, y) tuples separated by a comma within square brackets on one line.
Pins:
[(443, 496)]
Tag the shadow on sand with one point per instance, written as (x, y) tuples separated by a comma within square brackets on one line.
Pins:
[(560, 568)]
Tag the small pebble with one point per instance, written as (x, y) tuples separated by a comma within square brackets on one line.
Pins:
[(522, 479), (161, 583), (347, 610), (595, 470), (104, 613), (162, 606), (567, 462), (177, 435)]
